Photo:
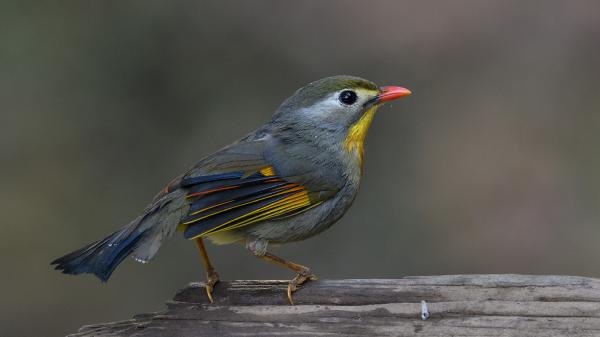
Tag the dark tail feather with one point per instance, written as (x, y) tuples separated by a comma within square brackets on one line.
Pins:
[(142, 237), (101, 257)]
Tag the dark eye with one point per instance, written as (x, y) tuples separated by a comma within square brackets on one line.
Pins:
[(348, 97)]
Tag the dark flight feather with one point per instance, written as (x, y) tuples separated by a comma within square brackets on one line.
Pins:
[(220, 202)]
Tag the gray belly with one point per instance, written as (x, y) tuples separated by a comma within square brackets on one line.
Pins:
[(303, 225)]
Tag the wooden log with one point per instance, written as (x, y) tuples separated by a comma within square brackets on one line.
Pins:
[(458, 305)]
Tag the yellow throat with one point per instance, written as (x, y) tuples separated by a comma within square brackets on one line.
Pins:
[(355, 139)]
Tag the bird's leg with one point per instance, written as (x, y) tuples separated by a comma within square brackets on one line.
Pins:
[(259, 248), (303, 273), (211, 275)]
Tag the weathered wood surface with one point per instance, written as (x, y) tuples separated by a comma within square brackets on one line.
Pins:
[(459, 305)]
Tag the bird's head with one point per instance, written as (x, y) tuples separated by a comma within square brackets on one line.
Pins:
[(337, 108)]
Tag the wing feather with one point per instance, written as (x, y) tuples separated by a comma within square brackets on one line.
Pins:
[(232, 200)]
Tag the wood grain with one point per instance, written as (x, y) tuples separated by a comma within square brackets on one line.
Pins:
[(459, 305)]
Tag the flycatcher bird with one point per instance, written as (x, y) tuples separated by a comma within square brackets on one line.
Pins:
[(287, 181)]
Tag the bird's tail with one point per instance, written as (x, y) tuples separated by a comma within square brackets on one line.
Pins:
[(101, 257), (141, 238)]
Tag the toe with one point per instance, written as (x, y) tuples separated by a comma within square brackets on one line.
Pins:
[(212, 278), (209, 290), (289, 293)]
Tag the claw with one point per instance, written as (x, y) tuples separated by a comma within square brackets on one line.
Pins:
[(211, 279), (299, 279), (289, 293), (209, 291)]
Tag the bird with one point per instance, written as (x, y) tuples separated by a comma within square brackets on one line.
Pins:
[(287, 181)]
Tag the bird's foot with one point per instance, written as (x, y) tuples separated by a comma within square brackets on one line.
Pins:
[(299, 279), (211, 279)]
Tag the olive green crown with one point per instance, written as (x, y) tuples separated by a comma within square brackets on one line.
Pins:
[(317, 90)]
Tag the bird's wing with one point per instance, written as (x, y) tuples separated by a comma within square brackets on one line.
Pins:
[(246, 190)]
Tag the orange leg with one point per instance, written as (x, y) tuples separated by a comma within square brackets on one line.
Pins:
[(211, 275), (303, 273)]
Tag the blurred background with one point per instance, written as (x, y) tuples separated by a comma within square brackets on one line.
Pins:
[(491, 166)]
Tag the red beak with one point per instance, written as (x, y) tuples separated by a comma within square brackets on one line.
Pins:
[(391, 93)]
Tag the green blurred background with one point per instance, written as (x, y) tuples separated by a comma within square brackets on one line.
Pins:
[(491, 166)]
